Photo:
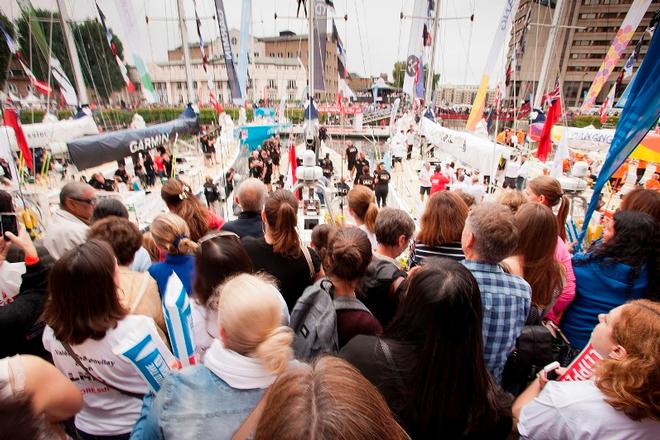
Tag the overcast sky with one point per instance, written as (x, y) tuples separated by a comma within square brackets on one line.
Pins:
[(374, 36)]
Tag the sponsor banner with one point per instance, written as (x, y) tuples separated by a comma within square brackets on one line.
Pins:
[(582, 366), (415, 48), (232, 75)]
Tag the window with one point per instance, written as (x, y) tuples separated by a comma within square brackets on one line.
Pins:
[(272, 84), (291, 84), (234, 42)]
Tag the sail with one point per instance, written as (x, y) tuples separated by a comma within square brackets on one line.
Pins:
[(232, 76), (619, 44), (319, 43), (137, 50), (415, 49), (243, 48), (503, 27), (93, 151)]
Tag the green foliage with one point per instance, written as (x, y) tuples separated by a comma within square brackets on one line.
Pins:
[(4, 49), (100, 71), (581, 121), (399, 73)]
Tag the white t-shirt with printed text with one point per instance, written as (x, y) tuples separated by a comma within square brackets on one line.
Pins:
[(105, 411)]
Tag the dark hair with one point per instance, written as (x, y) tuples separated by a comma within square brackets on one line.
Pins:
[(6, 202), (349, 254), (450, 392), (281, 210), (642, 200), (180, 199), (19, 421), (122, 235), (391, 224), (635, 243), (108, 207), (82, 296), (218, 259), (321, 236)]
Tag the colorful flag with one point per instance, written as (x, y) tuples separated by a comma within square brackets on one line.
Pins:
[(341, 53), (607, 104), (232, 76), (639, 115), (545, 143), (113, 48), (39, 85), (619, 44), (415, 47), (630, 63), (214, 102), (504, 25), (11, 120)]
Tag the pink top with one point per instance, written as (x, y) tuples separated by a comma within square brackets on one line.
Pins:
[(564, 257), (216, 222)]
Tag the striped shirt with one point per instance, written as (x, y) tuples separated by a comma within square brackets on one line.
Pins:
[(421, 251), (506, 301)]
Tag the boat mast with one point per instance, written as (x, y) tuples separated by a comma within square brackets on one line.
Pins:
[(186, 51), (546, 55), (83, 100), (310, 47), (429, 78)]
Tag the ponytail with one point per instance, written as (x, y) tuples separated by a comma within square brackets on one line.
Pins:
[(185, 246), (562, 214), (370, 217), (275, 351), (281, 210)]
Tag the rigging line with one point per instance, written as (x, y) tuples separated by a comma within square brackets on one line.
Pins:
[(357, 18), (366, 36), (50, 55), (469, 48)]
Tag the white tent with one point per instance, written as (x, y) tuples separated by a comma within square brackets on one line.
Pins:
[(472, 151)]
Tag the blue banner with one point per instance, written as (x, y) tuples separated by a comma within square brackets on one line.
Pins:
[(639, 115)]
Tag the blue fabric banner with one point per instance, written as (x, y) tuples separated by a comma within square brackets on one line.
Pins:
[(639, 115)]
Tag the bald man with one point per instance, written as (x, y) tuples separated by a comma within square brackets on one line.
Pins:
[(250, 196), (68, 225)]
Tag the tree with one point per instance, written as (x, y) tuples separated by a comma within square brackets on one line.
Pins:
[(399, 73), (99, 69), (4, 49)]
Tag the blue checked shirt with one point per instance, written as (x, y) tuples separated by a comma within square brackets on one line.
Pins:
[(506, 301)]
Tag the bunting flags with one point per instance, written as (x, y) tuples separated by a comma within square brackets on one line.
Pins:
[(545, 143), (113, 48), (619, 44), (639, 115), (11, 120), (66, 88), (510, 8)]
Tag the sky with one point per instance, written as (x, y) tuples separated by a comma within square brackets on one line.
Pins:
[(374, 35)]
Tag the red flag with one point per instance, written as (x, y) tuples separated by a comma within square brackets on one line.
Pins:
[(11, 120), (39, 85), (545, 143), (603, 112), (291, 175), (214, 102)]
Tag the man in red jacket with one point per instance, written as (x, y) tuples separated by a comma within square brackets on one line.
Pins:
[(438, 180)]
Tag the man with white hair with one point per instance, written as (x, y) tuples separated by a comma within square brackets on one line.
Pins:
[(68, 225), (250, 196)]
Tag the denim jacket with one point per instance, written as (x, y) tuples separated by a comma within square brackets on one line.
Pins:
[(194, 404)]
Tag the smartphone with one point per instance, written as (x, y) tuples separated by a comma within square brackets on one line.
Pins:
[(551, 370), (9, 224)]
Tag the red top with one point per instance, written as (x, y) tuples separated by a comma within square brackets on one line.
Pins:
[(215, 221), (158, 161), (438, 182)]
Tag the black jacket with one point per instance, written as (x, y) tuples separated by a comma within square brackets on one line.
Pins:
[(248, 224)]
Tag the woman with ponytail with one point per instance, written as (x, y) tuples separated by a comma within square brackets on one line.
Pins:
[(171, 234), (362, 207), (280, 251), (180, 200), (214, 399), (547, 191)]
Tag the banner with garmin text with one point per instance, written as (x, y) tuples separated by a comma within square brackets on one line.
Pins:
[(639, 115), (619, 44), (228, 53), (501, 33)]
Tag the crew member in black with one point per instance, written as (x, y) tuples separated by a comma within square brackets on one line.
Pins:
[(327, 166), (212, 195), (382, 181), (366, 178), (256, 165), (360, 163), (268, 166), (351, 157)]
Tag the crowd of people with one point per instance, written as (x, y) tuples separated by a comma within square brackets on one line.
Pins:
[(377, 329)]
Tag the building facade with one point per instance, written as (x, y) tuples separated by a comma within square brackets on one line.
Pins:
[(585, 33), (448, 95)]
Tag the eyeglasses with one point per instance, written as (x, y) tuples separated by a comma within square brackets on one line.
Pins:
[(216, 235), (91, 202)]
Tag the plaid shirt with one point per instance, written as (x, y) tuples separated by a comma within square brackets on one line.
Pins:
[(506, 301)]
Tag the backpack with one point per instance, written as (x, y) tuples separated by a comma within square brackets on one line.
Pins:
[(377, 291), (314, 320)]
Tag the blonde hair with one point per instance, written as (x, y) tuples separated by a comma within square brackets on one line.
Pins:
[(171, 233), (632, 385), (512, 199), (362, 201), (250, 312)]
